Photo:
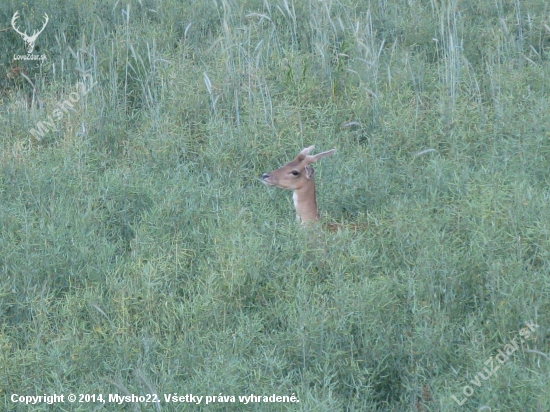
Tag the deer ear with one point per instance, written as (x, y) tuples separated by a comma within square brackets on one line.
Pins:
[(309, 172)]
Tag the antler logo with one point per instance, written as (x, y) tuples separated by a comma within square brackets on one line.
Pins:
[(29, 40)]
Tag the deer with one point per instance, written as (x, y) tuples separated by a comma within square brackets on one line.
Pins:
[(29, 40), (298, 176)]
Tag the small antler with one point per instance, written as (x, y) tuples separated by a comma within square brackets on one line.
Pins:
[(310, 159)]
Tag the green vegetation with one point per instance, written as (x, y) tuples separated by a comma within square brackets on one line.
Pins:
[(140, 254)]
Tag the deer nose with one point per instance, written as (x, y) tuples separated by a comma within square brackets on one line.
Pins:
[(265, 176)]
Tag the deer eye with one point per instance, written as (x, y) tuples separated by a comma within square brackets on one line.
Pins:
[(295, 172)]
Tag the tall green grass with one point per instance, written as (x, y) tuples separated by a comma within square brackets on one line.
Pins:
[(140, 254)]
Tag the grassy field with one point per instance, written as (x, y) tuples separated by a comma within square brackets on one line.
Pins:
[(139, 253)]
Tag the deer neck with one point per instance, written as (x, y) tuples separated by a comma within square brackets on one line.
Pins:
[(305, 202)]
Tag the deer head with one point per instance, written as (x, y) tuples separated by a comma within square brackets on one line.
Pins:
[(298, 176)]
